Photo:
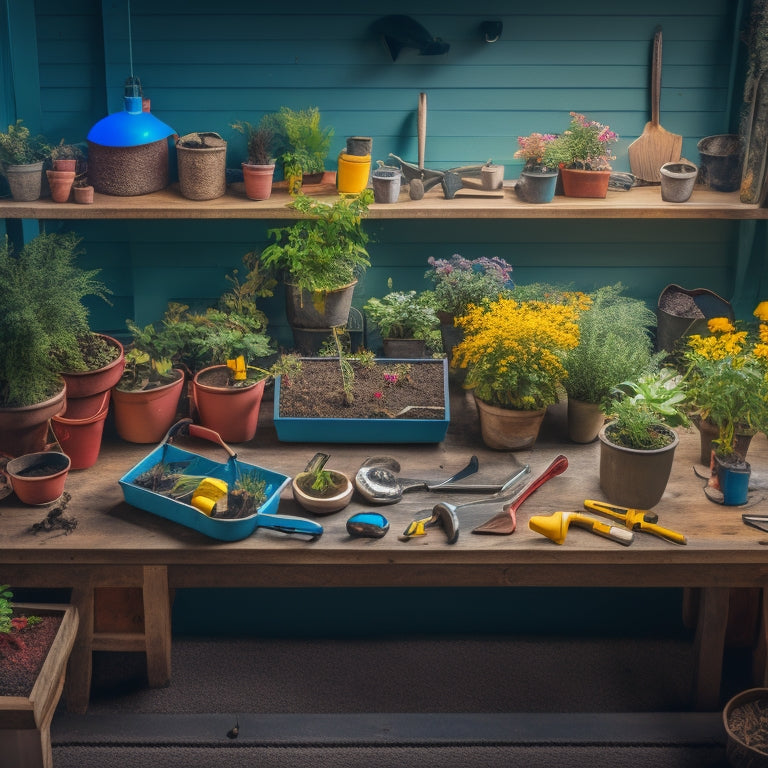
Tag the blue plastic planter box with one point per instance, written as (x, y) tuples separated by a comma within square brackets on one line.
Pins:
[(330, 430)]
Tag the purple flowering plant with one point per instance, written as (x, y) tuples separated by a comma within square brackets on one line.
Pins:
[(460, 282), (535, 149)]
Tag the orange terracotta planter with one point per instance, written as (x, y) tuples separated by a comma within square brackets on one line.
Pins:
[(80, 439), (578, 183), (145, 416)]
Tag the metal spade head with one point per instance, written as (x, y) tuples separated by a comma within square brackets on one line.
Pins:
[(377, 482)]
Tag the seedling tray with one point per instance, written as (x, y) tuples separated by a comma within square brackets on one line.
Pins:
[(187, 515)]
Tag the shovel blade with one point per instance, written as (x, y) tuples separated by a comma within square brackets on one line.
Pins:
[(501, 524)]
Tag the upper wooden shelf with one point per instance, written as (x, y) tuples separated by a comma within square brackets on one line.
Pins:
[(637, 203)]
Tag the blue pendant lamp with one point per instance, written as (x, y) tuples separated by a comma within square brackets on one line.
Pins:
[(132, 127)]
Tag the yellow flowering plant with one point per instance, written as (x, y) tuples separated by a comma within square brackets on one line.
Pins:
[(513, 350), (726, 379)]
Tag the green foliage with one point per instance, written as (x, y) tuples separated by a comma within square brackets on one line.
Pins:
[(19, 147), (254, 485), (584, 145), (194, 340), (42, 316), (615, 345), (301, 144), (260, 140), (644, 409), (403, 315), (6, 610), (326, 250)]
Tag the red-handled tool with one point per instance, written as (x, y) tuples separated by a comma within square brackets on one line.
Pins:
[(505, 522)]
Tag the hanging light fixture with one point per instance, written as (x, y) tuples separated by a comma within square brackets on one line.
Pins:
[(128, 150)]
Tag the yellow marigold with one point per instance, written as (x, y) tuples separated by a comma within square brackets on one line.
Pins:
[(761, 311), (720, 325), (761, 351)]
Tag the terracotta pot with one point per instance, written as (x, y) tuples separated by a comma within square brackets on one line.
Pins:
[(25, 430), (408, 348), (65, 164), (233, 412), (80, 439), (60, 183), (25, 181), (84, 388), (83, 195), (634, 478), (505, 429), (318, 309), (144, 416), (578, 183), (318, 504), (585, 420), (258, 181), (38, 478)]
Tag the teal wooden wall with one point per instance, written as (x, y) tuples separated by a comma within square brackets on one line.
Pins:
[(204, 69)]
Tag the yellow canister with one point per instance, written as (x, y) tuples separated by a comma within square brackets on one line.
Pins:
[(353, 173)]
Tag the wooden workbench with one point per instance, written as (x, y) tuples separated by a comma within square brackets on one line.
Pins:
[(116, 544)]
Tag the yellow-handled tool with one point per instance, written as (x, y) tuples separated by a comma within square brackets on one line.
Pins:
[(636, 520), (555, 527)]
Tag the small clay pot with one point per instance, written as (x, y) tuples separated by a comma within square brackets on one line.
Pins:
[(677, 181), (323, 505), (38, 478), (83, 195)]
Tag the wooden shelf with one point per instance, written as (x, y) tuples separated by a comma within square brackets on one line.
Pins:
[(637, 203)]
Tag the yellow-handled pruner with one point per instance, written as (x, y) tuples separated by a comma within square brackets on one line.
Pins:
[(636, 520)]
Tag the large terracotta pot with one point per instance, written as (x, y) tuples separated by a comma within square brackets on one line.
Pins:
[(233, 412), (505, 429), (584, 421), (578, 183), (633, 478), (709, 432), (25, 430), (144, 416), (84, 389), (80, 439)]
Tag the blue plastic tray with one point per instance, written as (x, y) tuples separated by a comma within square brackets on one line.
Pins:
[(326, 430), (189, 516)]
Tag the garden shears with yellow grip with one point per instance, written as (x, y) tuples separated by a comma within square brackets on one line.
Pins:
[(636, 520)]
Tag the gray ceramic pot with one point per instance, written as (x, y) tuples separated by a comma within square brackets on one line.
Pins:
[(677, 181)]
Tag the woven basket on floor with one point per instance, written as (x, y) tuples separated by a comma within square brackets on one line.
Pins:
[(745, 718)]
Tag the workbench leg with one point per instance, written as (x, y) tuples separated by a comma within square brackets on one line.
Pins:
[(759, 660), (709, 647), (157, 625), (80, 667)]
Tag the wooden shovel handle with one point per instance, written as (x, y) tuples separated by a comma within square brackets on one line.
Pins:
[(422, 127), (656, 77)]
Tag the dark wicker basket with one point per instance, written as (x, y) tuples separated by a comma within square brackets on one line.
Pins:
[(127, 171), (740, 753)]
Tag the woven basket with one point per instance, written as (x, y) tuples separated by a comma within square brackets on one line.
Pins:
[(127, 171), (202, 166), (745, 718)]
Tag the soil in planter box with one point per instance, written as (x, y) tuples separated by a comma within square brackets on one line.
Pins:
[(318, 392), (20, 664)]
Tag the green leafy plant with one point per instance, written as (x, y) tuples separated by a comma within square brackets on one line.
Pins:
[(642, 411), (11, 626), (19, 147), (535, 149), (43, 316), (725, 378), (326, 250), (260, 140), (584, 145), (615, 345), (459, 282), (194, 340), (301, 143), (405, 315), (317, 481)]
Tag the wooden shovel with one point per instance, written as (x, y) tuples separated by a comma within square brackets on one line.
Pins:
[(503, 523), (655, 146)]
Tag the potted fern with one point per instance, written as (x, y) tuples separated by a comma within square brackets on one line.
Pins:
[(407, 322), (43, 317)]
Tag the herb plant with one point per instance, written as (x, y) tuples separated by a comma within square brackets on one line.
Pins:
[(19, 147), (301, 144), (404, 315), (260, 141)]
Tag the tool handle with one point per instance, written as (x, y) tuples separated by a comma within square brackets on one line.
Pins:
[(664, 533), (422, 127), (557, 467), (612, 532), (289, 524), (656, 77)]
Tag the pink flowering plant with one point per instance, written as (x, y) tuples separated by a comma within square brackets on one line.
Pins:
[(585, 145), (459, 282), (536, 150)]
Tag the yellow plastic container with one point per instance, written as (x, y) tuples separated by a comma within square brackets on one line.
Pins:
[(353, 173)]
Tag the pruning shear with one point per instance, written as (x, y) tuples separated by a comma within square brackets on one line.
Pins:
[(443, 516), (636, 520)]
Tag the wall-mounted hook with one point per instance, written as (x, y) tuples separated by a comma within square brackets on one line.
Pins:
[(491, 30)]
